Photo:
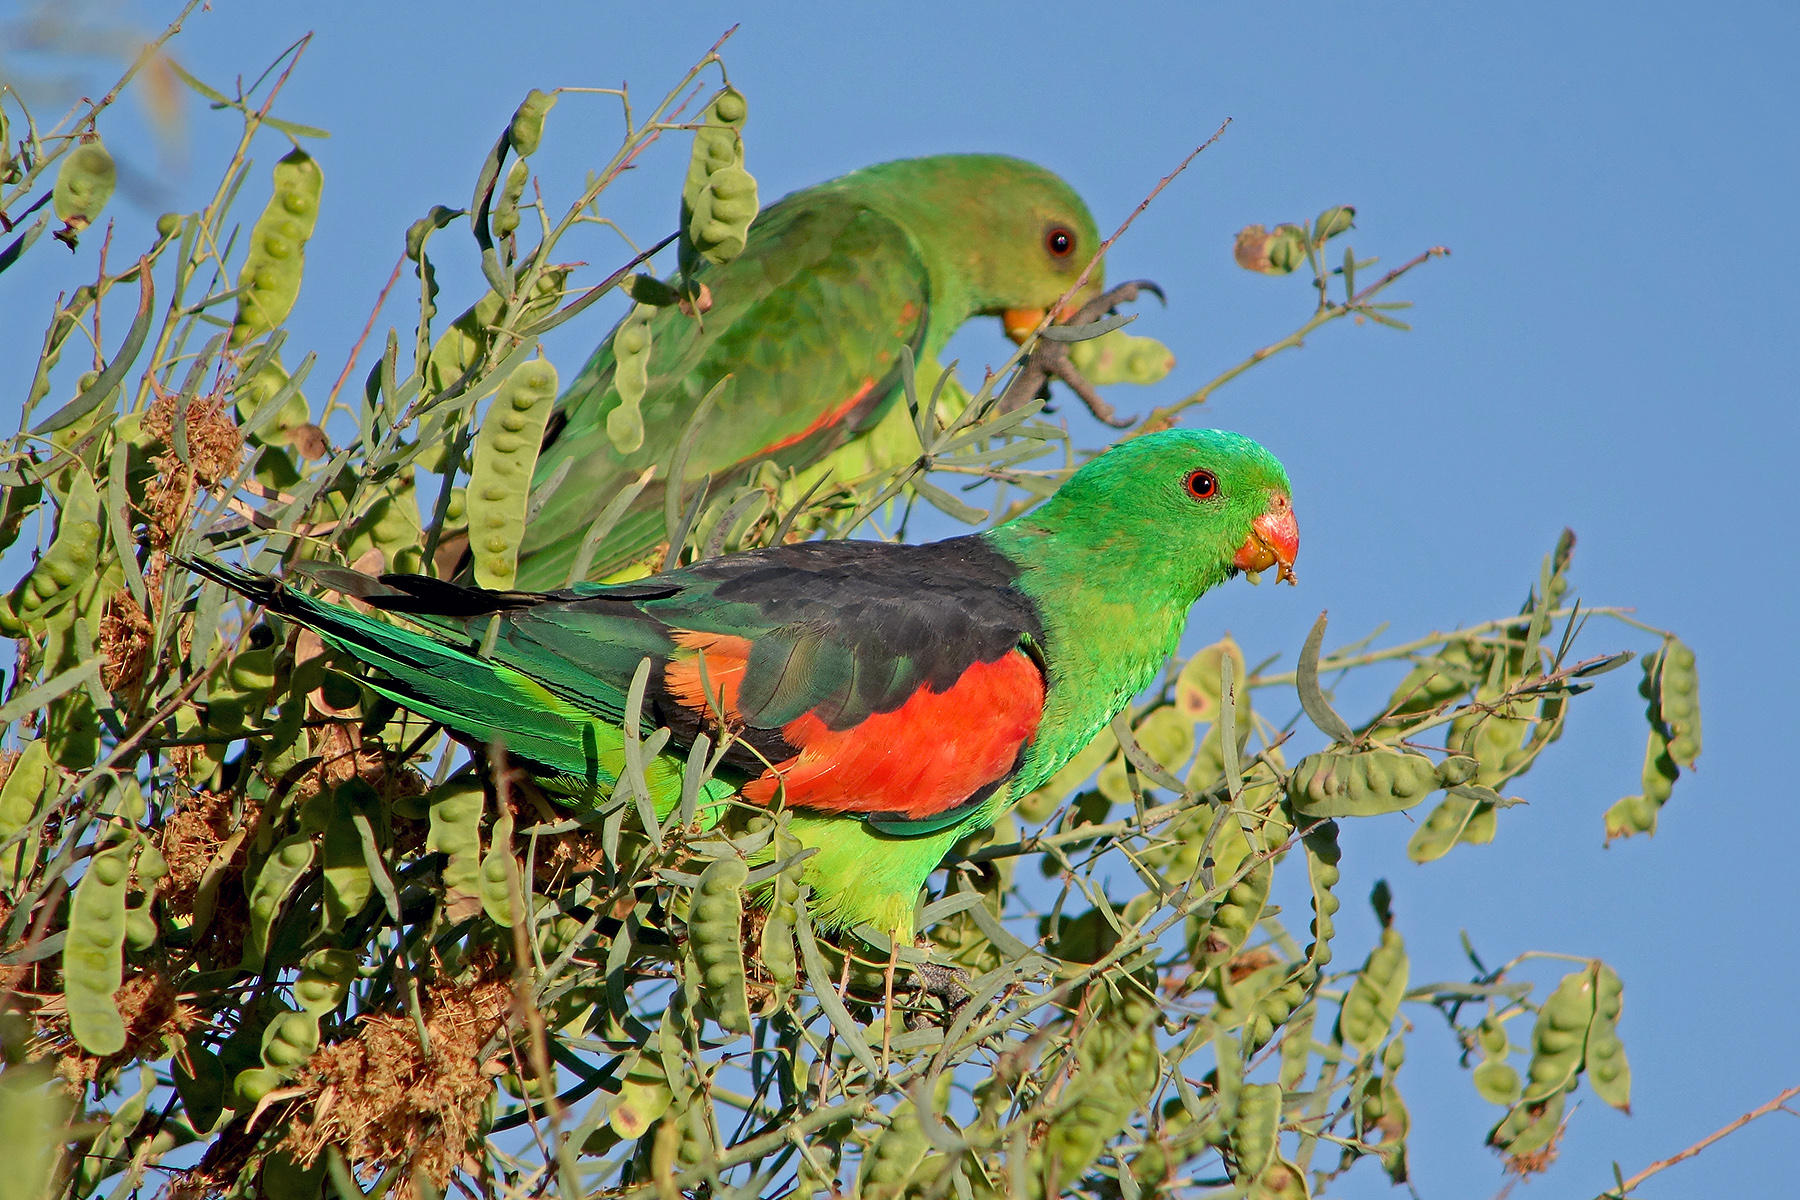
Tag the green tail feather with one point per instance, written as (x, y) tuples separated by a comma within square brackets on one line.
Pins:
[(580, 754)]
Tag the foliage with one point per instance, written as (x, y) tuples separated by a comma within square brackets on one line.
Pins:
[(269, 935)]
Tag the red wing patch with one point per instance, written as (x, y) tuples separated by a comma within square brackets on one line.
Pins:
[(926, 757), (830, 416), (707, 681), (923, 758)]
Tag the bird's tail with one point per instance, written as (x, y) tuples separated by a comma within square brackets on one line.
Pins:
[(477, 698)]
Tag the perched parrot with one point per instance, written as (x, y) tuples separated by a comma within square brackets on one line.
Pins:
[(808, 321), (906, 695)]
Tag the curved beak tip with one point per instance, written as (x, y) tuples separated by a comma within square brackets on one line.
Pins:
[(1274, 541)]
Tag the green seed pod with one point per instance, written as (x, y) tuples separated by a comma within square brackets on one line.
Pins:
[(1604, 1059), (279, 874), (1280, 1180), (324, 982), (290, 1040), (506, 213), (1632, 814), (252, 1085), (1119, 357), (1253, 1129), (141, 930), (455, 832), (84, 183), (168, 225), (1497, 1082), (1529, 1126), (1373, 1000), (776, 951), (348, 884), (631, 378), (1336, 783), (94, 952), (527, 128), (644, 1096), (1296, 1047), (496, 868), (1197, 686), (1559, 1037), (1322, 857), (715, 921), (390, 525), (33, 775), (1286, 250), (270, 278), (1678, 695), (57, 579), (894, 1156), (1339, 218), (506, 452), (1456, 769)]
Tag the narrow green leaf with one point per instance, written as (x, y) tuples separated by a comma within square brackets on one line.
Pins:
[(1312, 698)]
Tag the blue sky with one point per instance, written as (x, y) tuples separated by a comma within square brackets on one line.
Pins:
[(1610, 347)]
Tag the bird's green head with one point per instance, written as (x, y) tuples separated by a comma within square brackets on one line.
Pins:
[(1182, 509), (1013, 234)]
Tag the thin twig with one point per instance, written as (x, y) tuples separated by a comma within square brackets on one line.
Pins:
[(1779, 1102), (356, 350)]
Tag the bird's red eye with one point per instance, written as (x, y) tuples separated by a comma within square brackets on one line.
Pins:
[(1059, 242), (1202, 485)]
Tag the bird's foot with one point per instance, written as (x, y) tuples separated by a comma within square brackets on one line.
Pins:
[(948, 984), (1049, 359)]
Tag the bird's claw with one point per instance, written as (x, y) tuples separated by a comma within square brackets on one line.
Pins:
[(949, 984), (1050, 359)]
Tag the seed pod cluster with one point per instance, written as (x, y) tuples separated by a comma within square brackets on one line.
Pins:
[(506, 213), (1252, 1130), (715, 925), (632, 344), (718, 200), (1363, 783), (269, 282), (1559, 1039), (94, 951), (1373, 1000), (84, 183), (506, 451), (324, 981), (1120, 357)]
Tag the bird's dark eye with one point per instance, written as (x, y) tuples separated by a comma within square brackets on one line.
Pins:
[(1202, 485), (1059, 242)]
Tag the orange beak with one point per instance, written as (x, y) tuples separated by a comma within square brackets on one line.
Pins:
[(1019, 322), (1274, 541)]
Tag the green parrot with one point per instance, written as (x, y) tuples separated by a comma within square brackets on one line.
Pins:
[(808, 321), (898, 697)]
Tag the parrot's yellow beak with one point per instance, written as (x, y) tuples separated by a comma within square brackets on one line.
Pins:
[(1274, 541), (1019, 322)]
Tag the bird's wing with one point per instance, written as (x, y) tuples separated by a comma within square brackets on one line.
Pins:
[(808, 322), (894, 683)]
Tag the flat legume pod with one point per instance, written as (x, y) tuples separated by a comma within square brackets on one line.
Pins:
[(85, 180), (94, 952), (506, 451), (631, 378), (1374, 997), (715, 923), (280, 873), (269, 282)]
